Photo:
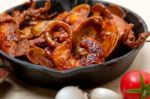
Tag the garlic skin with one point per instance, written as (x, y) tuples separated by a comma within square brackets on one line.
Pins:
[(71, 92), (103, 93)]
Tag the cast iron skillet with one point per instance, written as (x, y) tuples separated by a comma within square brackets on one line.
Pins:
[(85, 76)]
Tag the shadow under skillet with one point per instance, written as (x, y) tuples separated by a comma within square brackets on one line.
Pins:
[(4, 88), (31, 88)]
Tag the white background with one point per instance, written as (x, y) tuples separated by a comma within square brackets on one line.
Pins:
[(21, 91)]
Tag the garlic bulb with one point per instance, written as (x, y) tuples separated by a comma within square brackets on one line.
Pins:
[(71, 92), (103, 93)]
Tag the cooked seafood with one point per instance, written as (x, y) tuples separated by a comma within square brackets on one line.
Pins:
[(84, 36)]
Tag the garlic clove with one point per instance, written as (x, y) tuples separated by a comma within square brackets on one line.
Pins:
[(71, 92), (103, 93)]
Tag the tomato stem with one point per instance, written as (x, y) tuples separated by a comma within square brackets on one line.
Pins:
[(144, 89)]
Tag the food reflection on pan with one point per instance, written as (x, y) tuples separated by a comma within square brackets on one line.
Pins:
[(84, 36)]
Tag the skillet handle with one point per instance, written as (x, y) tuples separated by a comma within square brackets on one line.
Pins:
[(2, 65), (147, 40), (4, 72)]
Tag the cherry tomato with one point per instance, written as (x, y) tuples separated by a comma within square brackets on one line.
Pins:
[(135, 85)]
